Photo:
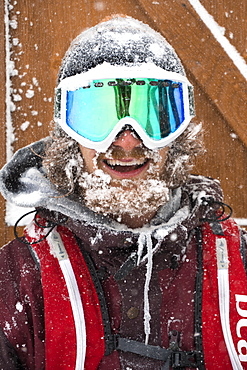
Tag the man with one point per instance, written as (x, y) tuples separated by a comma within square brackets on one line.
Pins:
[(120, 267)]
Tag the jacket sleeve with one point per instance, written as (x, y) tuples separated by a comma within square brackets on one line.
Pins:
[(21, 309), (8, 356)]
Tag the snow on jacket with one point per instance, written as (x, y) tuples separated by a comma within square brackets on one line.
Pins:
[(22, 339)]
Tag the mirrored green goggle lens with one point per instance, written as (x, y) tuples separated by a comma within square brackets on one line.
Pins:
[(157, 105)]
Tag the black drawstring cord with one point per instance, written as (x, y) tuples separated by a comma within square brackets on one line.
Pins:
[(49, 224), (217, 217)]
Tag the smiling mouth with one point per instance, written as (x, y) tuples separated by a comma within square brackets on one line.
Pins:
[(125, 166)]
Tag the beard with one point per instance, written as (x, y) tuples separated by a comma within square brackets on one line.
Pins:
[(132, 197)]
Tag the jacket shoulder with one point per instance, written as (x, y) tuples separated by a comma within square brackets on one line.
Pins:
[(21, 304)]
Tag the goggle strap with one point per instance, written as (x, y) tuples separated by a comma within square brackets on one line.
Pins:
[(57, 103), (191, 100)]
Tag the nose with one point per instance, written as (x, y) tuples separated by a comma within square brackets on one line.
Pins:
[(127, 140)]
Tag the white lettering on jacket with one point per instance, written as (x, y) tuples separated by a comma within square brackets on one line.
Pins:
[(242, 344)]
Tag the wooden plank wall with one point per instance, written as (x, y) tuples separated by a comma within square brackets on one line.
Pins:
[(42, 30)]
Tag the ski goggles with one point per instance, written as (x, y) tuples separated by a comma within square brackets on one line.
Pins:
[(94, 112)]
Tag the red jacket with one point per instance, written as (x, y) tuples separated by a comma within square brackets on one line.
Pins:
[(172, 308)]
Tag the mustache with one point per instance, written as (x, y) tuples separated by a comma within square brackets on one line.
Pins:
[(119, 153)]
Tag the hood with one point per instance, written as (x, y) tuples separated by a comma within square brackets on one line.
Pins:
[(24, 183)]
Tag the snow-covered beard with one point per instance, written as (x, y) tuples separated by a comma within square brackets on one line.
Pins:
[(118, 197)]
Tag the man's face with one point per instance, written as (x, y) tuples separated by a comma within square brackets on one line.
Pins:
[(126, 182), (126, 159)]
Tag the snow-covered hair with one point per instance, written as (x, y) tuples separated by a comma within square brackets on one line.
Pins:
[(119, 41)]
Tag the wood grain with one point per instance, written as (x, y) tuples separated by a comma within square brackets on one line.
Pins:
[(204, 57)]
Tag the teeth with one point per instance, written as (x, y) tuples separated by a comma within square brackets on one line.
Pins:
[(134, 162)]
